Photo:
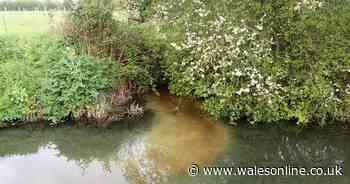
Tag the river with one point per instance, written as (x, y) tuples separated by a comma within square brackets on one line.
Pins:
[(160, 147)]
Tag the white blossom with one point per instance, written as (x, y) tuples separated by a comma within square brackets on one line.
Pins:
[(308, 4)]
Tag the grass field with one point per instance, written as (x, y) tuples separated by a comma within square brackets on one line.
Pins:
[(29, 23)]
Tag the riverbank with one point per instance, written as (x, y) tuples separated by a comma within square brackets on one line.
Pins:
[(238, 70)]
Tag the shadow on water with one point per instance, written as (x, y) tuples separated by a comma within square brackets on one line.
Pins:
[(159, 148)]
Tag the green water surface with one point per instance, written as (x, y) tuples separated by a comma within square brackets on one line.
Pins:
[(160, 147)]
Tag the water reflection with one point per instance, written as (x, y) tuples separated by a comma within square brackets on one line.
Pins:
[(64, 155), (46, 166), (159, 148), (278, 147)]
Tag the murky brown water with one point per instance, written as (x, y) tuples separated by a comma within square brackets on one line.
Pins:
[(174, 143), (159, 148)]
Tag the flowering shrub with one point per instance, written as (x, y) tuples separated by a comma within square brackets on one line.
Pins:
[(260, 61), (308, 4), (139, 9)]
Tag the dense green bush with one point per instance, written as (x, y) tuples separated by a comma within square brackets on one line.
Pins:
[(263, 61), (19, 80), (92, 30), (91, 73), (9, 49), (74, 82), (51, 82)]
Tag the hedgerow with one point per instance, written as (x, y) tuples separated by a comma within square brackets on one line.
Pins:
[(257, 61), (261, 61)]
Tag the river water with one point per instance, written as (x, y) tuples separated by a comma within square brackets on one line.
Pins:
[(160, 147)]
